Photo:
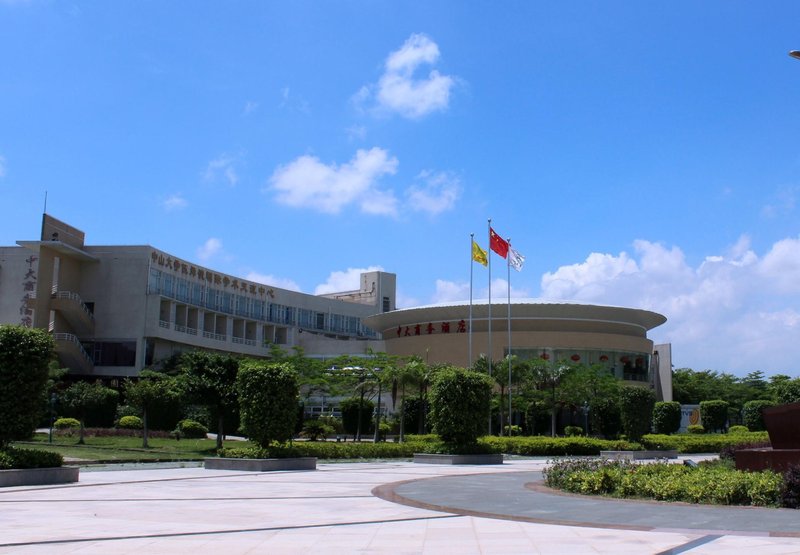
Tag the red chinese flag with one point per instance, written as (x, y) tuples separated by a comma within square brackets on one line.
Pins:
[(497, 243)]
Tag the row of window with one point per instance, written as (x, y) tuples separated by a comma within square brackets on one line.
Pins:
[(190, 292)]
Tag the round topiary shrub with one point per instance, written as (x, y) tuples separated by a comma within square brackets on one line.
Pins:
[(66, 424), (24, 357), (738, 430), (460, 404), (714, 414), (192, 429), (695, 429), (666, 417), (268, 401), (636, 410), (130, 423), (573, 431)]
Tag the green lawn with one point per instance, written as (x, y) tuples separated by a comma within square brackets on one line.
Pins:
[(128, 449)]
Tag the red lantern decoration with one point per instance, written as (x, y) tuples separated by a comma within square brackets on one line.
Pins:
[(575, 358), (544, 356), (625, 359), (603, 358)]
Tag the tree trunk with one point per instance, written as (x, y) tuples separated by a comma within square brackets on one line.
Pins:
[(144, 429), (220, 434)]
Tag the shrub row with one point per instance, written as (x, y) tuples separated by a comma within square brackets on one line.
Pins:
[(701, 443), (112, 432), (328, 450), (14, 457), (708, 483), (556, 446)]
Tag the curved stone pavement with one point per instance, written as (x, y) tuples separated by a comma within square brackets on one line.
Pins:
[(521, 496)]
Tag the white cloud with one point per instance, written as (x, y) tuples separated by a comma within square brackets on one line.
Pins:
[(455, 291), (249, 107), (399, 91), (174, 202), (2, 167), (269, 279), (306, 182), (437, 193), (210, 249), (347, 280), (735, 311), (356, 132), (402, 300), (223, 167), (782, 203)]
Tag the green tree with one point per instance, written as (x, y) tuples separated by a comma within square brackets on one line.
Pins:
[(356, 415), (547, 378), (268, 395), (82, 398), (636, 410), (25, 354), (151, 390), (210, 379), (785, 389), (460, 405)]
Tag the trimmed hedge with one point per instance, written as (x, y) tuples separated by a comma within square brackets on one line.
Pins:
[(14, 457), (752, 414), (130, 423), (636, 410), (192, 429), (701, 443), (708, 483), (666, 417), (714, 414), (66, 423), (542, 446)]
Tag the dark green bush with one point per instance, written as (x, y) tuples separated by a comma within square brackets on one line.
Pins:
[(666, 417), (752, 415), (714, 414), (351, 413), (314, 429), (790, 496), (66, 423), (24, 357), (15, 457), (738, 430), (460, 405), (636, 410), (268, 401), (130, 423), (192, 429), (695, 429), (414, 408), (572, 431), (606, 418)]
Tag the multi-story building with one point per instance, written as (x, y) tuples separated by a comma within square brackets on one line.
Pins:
[(114, 310)]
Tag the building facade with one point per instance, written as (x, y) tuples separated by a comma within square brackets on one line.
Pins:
[(114, 310), (614, 337)]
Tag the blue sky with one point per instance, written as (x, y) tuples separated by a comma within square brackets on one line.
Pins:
[(638, 154)]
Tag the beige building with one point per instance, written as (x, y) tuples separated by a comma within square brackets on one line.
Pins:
[(590, 334), (114, 310)]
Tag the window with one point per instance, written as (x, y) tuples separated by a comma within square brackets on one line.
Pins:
[(112, 353), (386, 305)]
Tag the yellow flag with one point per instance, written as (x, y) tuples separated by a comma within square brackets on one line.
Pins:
[(478, 254)]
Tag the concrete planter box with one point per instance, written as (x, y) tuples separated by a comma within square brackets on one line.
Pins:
[(639, 455), (261, 465), (38, 476), (435, 458)]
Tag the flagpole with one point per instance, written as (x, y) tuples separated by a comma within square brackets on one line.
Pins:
[(471, 264), (508, 265), (489, 357)]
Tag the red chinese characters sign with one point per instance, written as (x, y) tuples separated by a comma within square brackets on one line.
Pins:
[(431, 328)]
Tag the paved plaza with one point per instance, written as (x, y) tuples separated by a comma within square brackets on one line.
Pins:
[(373, 507)]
